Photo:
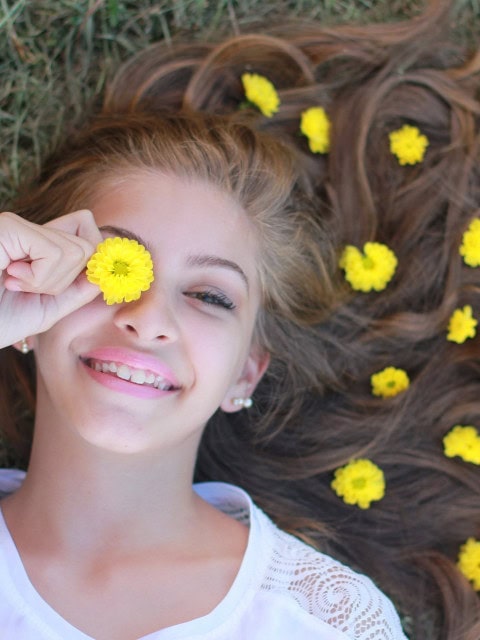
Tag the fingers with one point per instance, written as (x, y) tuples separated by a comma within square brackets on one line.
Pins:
[(46, 258), (80, 224), (43, 259), (10, 224), (78, 294)]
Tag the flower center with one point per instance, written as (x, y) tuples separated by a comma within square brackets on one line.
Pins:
[(359, 483), (368, 263), (120, 268)]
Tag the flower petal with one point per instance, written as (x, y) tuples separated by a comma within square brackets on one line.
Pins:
[(122, 268), (408, 144), (261, 92), (359, 482)]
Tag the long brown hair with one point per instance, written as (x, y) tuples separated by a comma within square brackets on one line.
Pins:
[(314, 410)]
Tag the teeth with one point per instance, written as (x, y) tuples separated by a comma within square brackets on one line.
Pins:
[(123, 372), (161, 384), (138, 376)]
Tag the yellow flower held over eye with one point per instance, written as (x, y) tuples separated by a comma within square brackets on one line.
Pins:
[(470, 247), (261, 92), (462, 325), (315, 124), (122, 268), (359, 482), (371, 270), (408, 144), (463, 442), (389, 382), (469, 561)]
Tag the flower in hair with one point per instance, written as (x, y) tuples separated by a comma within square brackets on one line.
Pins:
[(462, 325), (470, 247), (315, 124), (372, 269), (359, 482), (261, 92), (408, 144), (469, 561), (122, 268), (389, 382), (463, 442)]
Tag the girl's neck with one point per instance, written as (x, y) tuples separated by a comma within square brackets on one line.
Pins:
[(110, 526), (80, 494)]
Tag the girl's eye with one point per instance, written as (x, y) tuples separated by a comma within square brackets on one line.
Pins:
[(213, 298)]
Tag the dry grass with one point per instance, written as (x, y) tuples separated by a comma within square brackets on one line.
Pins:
[(56, 55)]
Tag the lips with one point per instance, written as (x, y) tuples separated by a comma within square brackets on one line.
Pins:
[(130, 367), (130, 374)]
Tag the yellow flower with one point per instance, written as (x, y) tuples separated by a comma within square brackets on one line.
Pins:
[(389, 382), (469, 561), (359, 482), (371, 270), (261, 92), (461, 325), (315, 124), (122, 268), (470, 247), (408, 144), (463, 442)]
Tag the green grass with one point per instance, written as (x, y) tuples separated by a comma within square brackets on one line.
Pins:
[(56, 55)]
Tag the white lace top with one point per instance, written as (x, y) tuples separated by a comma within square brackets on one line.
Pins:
[(284, 590)]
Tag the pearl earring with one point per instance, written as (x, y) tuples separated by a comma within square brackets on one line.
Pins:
[(246, 403), (24, 347)]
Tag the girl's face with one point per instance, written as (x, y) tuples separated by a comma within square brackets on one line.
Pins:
[(192, 329)]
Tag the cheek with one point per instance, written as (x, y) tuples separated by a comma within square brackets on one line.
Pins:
[(220, 356)]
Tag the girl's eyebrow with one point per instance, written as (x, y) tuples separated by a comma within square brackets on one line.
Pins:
[(125, 233), (216, 261)]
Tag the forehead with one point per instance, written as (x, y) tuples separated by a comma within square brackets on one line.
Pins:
[(169, 211), (150, 196)]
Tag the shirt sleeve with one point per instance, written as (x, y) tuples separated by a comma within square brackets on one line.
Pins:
[(10, 481)]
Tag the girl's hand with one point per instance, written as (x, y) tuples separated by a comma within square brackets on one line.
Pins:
[(41, 266)]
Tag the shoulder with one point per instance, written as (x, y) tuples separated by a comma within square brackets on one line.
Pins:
[(328, 590)]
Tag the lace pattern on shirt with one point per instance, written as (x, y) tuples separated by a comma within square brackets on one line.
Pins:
[(325, 588), (348, 601)]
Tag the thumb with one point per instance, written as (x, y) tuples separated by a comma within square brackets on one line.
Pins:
[(78, 294)]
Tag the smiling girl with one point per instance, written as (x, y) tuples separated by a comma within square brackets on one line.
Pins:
[(107, 506), (158, 433)]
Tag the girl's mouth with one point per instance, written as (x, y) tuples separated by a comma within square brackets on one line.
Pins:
[(141, 377)]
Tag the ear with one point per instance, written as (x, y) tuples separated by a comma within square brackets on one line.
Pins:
[(255, 366)]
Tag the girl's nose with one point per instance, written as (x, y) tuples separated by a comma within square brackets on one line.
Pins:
[(149, 318)]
